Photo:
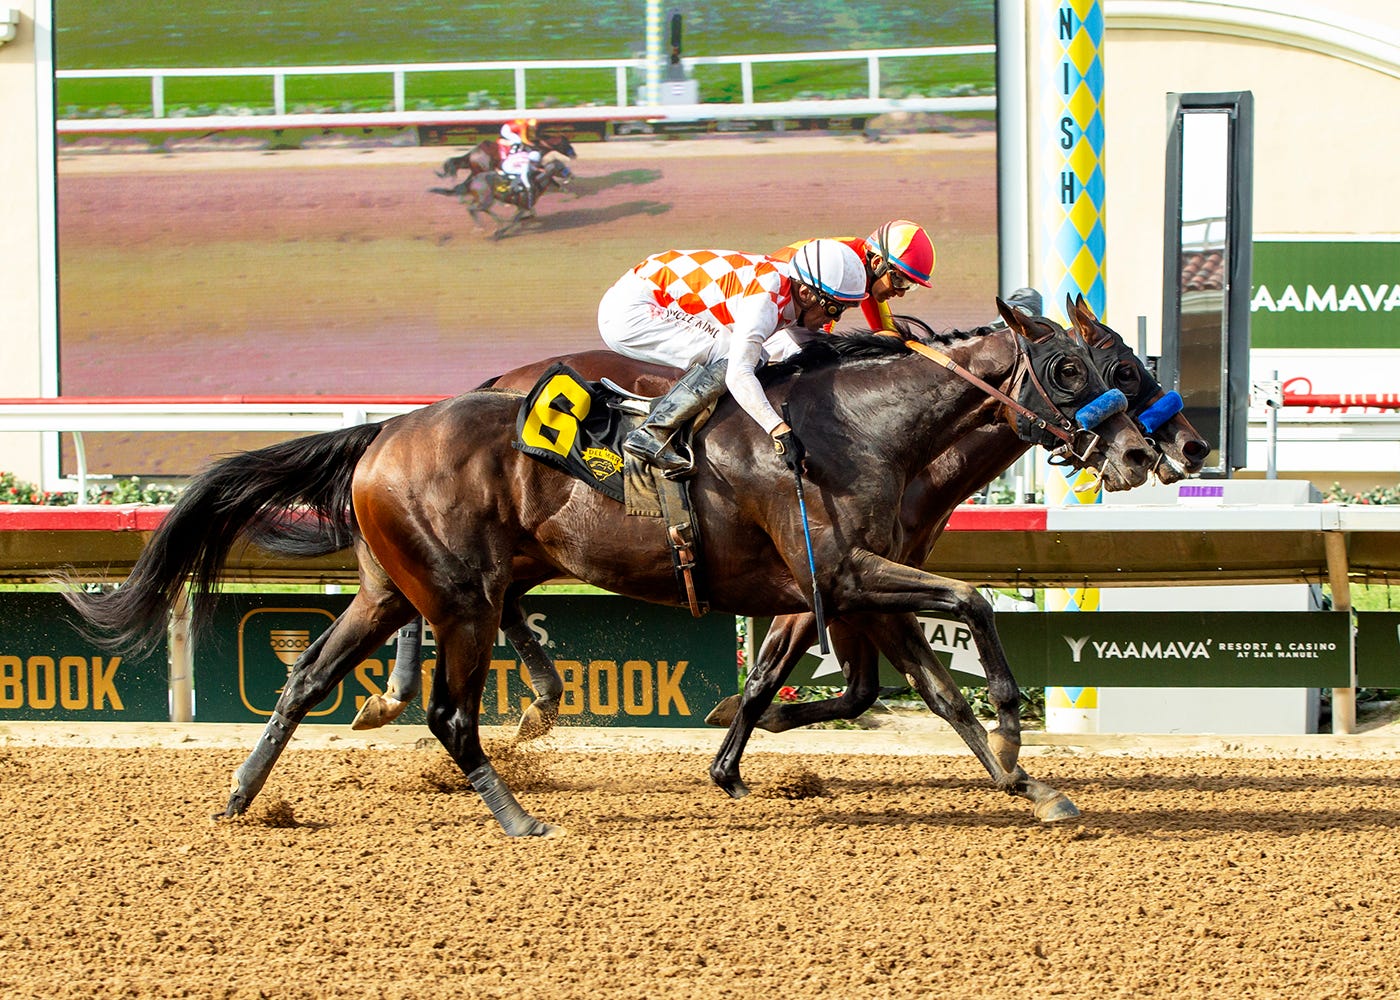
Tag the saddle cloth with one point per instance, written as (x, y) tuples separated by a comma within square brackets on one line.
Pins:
[(567, 422), (577, 427)]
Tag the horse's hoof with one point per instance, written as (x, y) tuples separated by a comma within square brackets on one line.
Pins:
[(723, 713), (377, 711), (1056, 809), (533, 724), (734, 788)]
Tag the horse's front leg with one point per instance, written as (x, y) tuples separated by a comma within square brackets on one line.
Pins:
[(905, 645), (789, 637), (859, 663)]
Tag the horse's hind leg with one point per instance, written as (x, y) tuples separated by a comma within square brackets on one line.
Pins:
[(357, 633), (405, 682), (905, 645), (406, 679), (454, 710), (541, 714)]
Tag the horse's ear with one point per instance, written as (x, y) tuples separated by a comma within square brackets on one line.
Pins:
[(1009, 316)]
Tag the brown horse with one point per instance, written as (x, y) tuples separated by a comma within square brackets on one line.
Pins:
[(452, 522)]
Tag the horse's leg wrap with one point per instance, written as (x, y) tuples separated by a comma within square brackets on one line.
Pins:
[(513, 818), (540, 716), (252, 773), (405, 682)]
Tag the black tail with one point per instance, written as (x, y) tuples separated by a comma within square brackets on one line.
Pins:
[(243, 496)]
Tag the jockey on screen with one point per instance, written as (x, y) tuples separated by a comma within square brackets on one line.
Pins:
[(518, 155), (710, 311)]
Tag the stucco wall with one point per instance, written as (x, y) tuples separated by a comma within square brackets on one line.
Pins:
[(1325, 141)]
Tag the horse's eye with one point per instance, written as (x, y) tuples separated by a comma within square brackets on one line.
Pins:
[(1126, 378), (1070, 374)]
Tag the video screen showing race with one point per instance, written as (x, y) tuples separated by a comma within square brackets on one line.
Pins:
[(339, 232)]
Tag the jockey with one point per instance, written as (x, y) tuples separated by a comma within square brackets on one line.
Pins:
[(518, 133), (897, 256), (710, 311), (518, 157)]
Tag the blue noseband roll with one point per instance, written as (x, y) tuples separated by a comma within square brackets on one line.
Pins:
[(1090, 415), (1160, 412)]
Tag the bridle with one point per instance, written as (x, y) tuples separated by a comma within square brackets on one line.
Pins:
[(1076, 435)]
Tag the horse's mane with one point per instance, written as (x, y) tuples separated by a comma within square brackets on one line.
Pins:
[(844, 346)]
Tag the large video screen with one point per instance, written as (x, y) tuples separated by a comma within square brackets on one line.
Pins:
[(334, 260)]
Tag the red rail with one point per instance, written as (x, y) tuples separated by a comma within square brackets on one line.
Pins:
[(1336, 400)]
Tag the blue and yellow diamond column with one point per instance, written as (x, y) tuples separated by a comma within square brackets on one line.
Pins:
[(1073, 246)]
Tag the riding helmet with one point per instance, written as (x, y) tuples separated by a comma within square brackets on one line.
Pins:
[(832, 269), (906, 247)]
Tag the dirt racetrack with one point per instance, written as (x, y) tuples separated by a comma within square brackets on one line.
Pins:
[(370, 870)]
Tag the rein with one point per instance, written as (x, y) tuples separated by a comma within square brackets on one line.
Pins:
[(1068, 431), (1062, 430)]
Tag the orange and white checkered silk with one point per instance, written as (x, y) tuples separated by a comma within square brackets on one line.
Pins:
[(713, 284)]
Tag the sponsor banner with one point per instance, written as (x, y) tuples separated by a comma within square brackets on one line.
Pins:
[(1321, 293), (1135, 649), (623, 662), (1378, 649), (950, 639), (48, 672)]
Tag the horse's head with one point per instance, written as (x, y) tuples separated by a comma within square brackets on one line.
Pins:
[(1072, 412), (1182, 449), (554, 142)]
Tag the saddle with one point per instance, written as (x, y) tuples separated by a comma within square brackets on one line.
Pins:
[(577, 427)]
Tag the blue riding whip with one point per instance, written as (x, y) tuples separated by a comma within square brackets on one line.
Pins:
[(811, 560)]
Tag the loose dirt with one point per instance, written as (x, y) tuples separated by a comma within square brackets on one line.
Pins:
[(865, 864)]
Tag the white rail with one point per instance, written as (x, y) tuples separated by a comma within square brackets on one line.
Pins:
[(398, 74), (304, 414)]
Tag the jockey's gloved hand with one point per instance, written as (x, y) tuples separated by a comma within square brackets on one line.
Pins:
[(789, 447)]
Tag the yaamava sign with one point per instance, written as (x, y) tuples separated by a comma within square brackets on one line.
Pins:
[(1325, 294), (1137, 649)]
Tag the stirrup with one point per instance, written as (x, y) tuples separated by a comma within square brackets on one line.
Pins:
[(644, 446)]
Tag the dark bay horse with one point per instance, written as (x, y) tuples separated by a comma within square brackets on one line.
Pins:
[(966, 467), (451, 522), (486, 155)]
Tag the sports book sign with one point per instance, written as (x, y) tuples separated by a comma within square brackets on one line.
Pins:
[(623, 662)]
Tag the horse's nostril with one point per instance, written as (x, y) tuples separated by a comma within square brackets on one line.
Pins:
[(1196, 450)]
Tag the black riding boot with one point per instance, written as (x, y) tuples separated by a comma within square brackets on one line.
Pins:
[(688, 398)]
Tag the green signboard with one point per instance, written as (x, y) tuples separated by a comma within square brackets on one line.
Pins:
[(1378, 649), (623, 662), (1139, 649), (48, 672), (1325, 293)]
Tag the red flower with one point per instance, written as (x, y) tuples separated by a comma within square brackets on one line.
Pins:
[(787, 694)]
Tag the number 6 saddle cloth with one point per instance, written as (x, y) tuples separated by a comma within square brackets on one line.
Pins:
[(577, 427)]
